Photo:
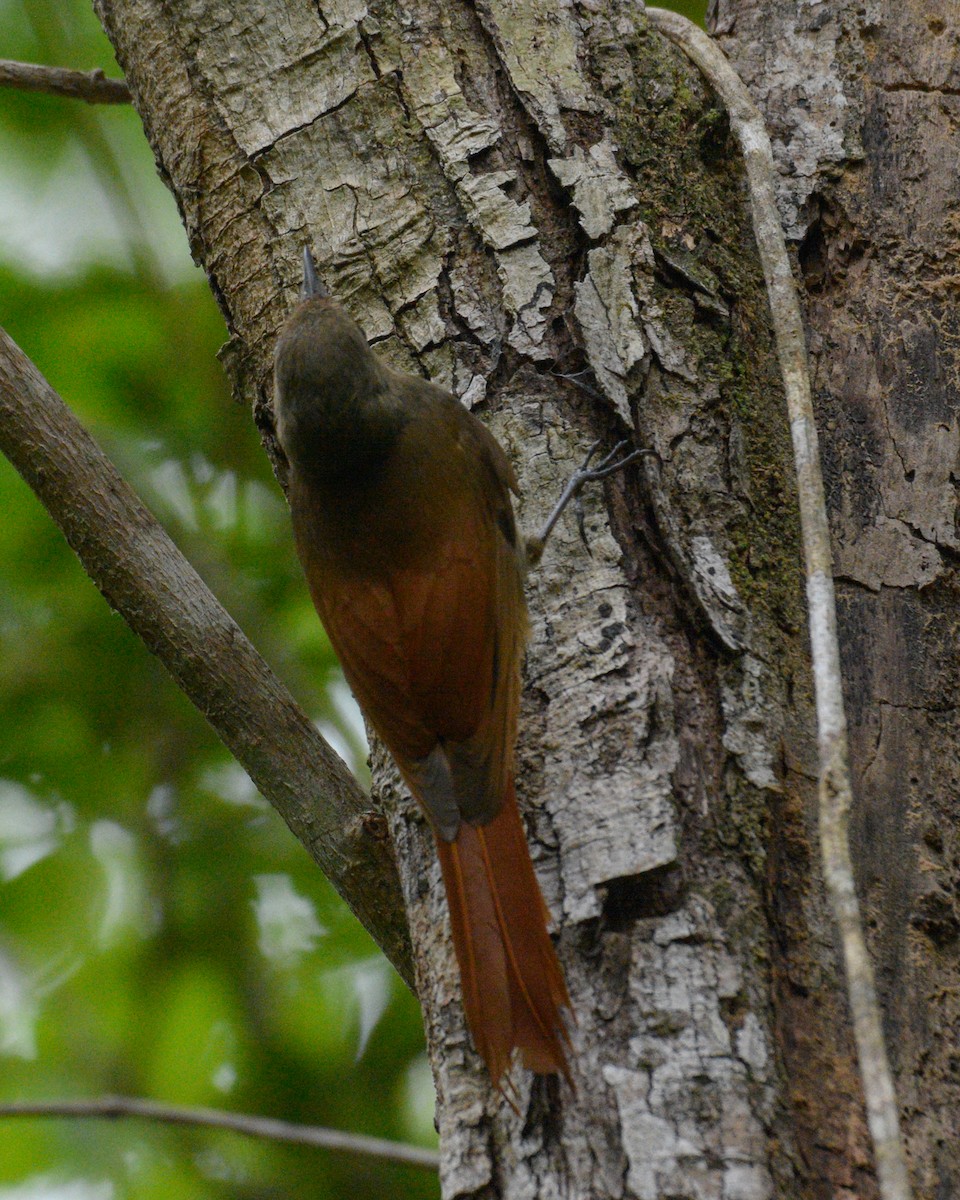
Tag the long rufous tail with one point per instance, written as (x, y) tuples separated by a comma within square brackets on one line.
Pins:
[(513, 989)]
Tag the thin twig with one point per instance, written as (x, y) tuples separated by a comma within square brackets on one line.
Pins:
[(142, 575), (834, 781), (92, 86), (112, 1107)]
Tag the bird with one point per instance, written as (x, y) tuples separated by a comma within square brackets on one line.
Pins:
[(401, 504)]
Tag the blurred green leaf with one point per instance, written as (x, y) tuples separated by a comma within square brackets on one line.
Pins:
[(161, 931), (695, 10)]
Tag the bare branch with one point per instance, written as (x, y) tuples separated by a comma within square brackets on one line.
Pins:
[(834, 782), (112, 1107), (147, 580), (92, 86)]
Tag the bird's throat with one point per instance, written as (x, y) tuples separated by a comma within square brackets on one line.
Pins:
[(339, 438)]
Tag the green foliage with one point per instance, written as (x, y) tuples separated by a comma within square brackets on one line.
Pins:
[(161, 931), (694, 10)]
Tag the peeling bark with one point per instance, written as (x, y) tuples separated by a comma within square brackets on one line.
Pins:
[(863, 101), (540, 207)]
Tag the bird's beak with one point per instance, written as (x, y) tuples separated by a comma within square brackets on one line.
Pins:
[(311, 284)]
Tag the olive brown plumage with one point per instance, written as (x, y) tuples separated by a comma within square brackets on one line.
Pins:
[(404, 525)]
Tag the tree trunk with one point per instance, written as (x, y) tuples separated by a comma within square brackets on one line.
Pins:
[(863, 102), (542, 209)]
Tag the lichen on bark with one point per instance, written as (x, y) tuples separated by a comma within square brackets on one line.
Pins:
[(540, 207)]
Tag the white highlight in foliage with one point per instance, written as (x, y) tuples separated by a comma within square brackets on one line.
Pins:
[(19, 1012), (419, 1100), (230, 783), (52, 1187), (347, 709), (371, 987), (174, 493), (115, 849), (287, 921), (28, 830)]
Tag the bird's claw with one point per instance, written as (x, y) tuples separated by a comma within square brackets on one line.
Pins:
[(583, 475), (606, 466), (582, 522)]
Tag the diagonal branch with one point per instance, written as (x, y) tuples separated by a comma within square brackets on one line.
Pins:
[(112, 1107), (92, 86), (147, 580), (834, 782)]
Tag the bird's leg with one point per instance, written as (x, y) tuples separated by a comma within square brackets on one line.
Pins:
[(578, 480)]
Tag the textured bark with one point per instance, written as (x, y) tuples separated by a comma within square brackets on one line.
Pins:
[(92, 86), (863, 102), (540, 207)]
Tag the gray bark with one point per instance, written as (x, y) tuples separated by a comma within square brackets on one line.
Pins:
[(92, 86), (863, 103), (505, 196)]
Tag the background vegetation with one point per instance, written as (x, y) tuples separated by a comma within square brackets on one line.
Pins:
[(161, 932)]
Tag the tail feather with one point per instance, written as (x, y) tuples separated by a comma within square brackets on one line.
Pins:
[(513, 988)]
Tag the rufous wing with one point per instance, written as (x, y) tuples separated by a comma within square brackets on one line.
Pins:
[(432, 653)]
